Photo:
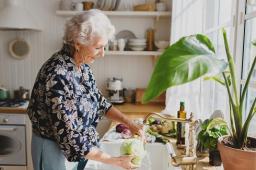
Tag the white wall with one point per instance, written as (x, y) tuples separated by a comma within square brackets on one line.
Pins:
[(135, 70)]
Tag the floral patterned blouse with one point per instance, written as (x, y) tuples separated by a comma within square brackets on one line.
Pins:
[(66, 105)]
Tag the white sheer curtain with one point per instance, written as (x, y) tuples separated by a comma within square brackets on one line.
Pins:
[(207, 17)]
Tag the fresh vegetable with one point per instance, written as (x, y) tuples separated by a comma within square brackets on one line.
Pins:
[(150, 120), (159, 138), (157, 122), (121, 127), (126, 133), (133, 147)]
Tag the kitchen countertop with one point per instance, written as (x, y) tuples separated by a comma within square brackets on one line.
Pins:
[(127, 108), (19, 110)]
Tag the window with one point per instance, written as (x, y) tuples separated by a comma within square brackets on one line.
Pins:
[(249, 53), (201, 97)]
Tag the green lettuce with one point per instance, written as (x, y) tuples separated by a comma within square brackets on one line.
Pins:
[(133, 147)]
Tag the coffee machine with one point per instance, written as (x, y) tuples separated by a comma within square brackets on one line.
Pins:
[(115, 90)]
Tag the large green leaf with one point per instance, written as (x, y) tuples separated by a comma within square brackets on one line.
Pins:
[(188, 59)]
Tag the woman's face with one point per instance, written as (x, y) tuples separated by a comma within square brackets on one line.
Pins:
[(88, 53)]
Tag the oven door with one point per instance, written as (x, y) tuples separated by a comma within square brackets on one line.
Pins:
[(12, 145)]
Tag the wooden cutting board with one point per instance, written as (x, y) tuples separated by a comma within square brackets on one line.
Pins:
[(139, 95)]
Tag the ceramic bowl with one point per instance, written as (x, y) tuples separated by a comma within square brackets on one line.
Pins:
[(162, 44)]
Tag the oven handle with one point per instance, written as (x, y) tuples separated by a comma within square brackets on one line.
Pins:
[(7, 129)]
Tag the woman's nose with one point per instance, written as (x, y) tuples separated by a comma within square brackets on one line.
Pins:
[(102, 52)]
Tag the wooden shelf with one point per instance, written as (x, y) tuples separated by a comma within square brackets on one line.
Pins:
[(121, 13), (134, 53)]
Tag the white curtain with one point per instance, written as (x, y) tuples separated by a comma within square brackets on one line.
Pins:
[(200, 16)]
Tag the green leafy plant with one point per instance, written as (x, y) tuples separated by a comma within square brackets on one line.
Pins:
[(211, 130), (193, 57)]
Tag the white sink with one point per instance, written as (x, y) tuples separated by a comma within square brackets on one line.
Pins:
[(157, 157)]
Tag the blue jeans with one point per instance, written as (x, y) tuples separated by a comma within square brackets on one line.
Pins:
[(46, 155)]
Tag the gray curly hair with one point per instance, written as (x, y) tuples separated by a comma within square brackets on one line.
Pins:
[(86, 26)]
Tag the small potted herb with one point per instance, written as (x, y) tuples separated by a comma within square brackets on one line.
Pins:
[(211, 130)]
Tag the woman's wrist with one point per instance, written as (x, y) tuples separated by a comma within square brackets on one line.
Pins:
[(98, 155)]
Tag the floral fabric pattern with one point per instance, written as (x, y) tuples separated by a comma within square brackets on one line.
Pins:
[(66, 105)]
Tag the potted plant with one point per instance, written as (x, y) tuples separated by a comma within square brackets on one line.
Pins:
[(192, 57), (211, 130)]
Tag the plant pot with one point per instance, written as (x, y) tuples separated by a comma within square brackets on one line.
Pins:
[(237, 159), (214, 158)]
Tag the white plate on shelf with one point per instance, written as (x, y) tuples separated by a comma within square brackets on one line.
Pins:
[(126, 34)]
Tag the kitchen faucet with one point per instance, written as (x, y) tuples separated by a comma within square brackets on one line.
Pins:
[(190, 156)]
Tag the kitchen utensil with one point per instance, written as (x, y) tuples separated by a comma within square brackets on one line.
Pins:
[(21, 93), (3, 93), (115, 90), (88, 5), (113, 45), (125, 34), (19, 48), (150, 39), (161, 45), (121, 44)]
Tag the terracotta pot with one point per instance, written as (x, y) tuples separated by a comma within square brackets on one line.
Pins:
[(236, 159)]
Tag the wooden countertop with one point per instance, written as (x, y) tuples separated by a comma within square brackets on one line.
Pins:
[(13, 110)]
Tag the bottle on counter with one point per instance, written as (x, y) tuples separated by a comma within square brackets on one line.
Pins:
[(181, 126)]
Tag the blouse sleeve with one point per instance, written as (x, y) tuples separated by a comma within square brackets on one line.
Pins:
[(103, 104), (74, 138)]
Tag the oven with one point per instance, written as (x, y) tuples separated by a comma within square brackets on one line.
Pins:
[(12, 141)]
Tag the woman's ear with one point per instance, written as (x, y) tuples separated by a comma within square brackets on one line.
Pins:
[(77, 47)]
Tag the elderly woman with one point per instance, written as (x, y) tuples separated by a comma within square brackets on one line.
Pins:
[(66, 105)]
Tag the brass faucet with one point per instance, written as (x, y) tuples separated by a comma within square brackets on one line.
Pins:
[(167, 117), (190, 157)]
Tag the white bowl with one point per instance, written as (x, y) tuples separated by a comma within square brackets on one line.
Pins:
[(137, 43), (162, 44), (137, 40), (137, 46)]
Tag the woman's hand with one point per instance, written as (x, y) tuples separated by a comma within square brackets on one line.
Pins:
[(124, 162), (136, 129)]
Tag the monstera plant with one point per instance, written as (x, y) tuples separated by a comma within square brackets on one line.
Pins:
[(194, 56)]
